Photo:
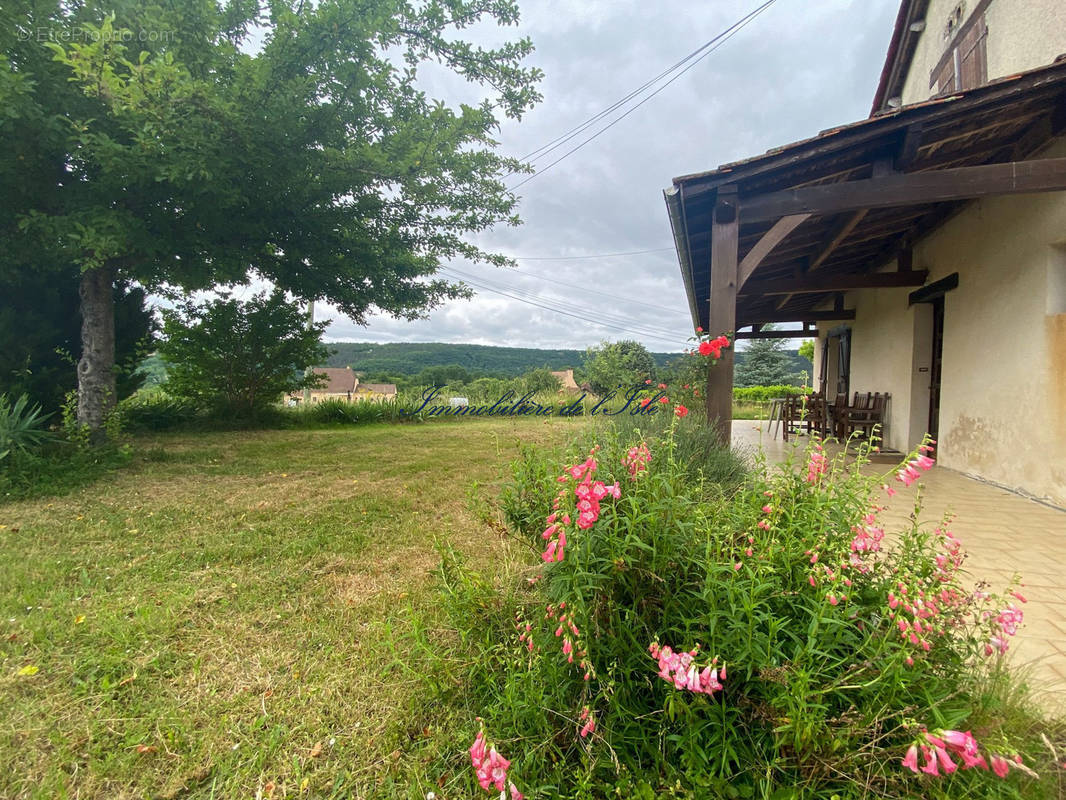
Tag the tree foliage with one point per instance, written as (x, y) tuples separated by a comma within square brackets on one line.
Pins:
[(765, 363), (539, 380), (145, 140), (613, 364), (238, 357)]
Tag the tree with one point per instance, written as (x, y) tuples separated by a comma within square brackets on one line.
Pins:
[(765, 363), (240, 357), (806, 350), (539, 380), (40, 328), (614, 364), (143, 142)]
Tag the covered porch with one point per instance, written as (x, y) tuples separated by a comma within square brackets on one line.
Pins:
[(829, 236), (1002, 533)]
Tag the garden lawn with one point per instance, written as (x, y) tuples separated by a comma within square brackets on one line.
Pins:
[(230, 615)]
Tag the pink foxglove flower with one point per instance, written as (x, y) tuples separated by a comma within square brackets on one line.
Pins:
[(930, 762), (910, 761), (1000, 766)]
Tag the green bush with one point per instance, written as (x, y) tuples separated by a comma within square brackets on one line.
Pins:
[(763, 394), (22, 427), (834, 648), (158, 411)]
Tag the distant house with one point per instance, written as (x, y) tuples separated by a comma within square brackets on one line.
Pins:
[(375, 391), (566, 380), (341, 383)]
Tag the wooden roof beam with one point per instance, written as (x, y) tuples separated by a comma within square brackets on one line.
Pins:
[(960, 183), (814, 284), (805, 333), (771, 239), (839, 235), (763, 317)]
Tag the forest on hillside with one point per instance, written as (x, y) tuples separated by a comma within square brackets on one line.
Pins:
[(410, 358)]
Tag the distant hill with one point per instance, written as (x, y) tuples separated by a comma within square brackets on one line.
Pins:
[(409, 358)]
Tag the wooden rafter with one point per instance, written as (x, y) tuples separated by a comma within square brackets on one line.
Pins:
[(773, 237), (814, 284), (936, 186), (763, 317)]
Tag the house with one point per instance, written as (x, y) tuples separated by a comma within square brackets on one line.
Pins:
[(924, 247), (375, 391), (338, 384), (341, 383), (566, 380)]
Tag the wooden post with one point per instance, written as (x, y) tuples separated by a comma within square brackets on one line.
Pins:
[(723, 311)]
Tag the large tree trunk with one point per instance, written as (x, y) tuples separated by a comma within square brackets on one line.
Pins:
[(96, 369)]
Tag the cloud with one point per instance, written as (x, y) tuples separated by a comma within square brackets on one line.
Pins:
[(797, 69)]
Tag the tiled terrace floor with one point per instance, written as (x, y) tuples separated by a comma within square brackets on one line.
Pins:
[(1003, 534)]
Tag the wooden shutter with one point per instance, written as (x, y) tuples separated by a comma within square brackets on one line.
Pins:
[(973, 55), (944, 80)]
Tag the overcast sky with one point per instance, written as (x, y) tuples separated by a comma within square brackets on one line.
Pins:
[(799, 68)]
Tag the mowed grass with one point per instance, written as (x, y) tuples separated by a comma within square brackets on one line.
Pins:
[(229, 615)]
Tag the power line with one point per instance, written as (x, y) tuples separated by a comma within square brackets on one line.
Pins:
[(604, 294), (719, 40), (625, 329), (594, 255), (586, 314), (564, 137), (587, 311)]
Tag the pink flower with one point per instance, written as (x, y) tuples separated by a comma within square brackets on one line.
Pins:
[(959, 741), (1000, 766), (910, 761), (549, 554), (588, 727), (491, 768), (945, 760), (515, 794), (767, 509), (737, 566), (614, 490), (930, 762)]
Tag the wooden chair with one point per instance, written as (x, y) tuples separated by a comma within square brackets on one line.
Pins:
[(817, 414), (874, 415), (804, 411), (840, 411)]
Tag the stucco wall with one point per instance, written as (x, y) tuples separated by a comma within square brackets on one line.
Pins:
[(1003, 395), (1022, 34)]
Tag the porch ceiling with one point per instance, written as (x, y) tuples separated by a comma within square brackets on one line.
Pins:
[(828, 253)]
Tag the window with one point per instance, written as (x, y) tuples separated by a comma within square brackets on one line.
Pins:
[(964, 64)]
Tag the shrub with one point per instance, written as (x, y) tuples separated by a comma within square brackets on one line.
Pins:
[(763, 394), (238, 358), (22, 427), (772, 642), (157, 411)]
